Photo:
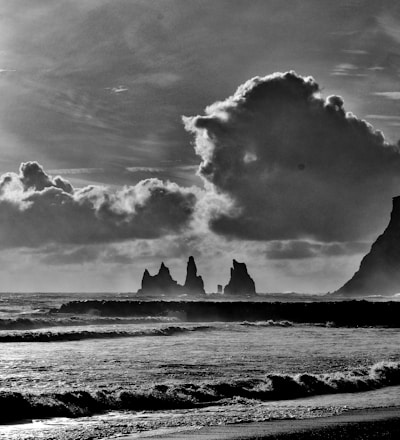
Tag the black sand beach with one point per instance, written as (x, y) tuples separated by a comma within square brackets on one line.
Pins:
[(371, 424)]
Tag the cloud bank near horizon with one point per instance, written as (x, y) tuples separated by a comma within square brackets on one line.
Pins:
[(36, 209), (281, 166), (297, 166)]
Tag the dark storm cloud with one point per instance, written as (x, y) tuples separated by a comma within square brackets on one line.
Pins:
[(296, 165), (36, 209)]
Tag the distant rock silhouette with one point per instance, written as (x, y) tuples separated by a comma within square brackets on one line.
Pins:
[(162, 284), (379, 272), (159, 284), (240, 282), (194, 284)]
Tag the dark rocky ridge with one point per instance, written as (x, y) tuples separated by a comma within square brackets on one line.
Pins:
[(341, 313), (240, 282), (379, 272)]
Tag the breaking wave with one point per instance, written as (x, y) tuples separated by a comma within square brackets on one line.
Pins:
[(269, 323), (19, 406), (43, 322), (79, 335)]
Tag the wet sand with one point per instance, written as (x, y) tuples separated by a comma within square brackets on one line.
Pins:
[(371, 424)]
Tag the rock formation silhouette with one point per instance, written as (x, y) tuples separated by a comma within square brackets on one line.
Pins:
[(163, 284), (194, 284), (160, 284), (379, 272), (240, 282)]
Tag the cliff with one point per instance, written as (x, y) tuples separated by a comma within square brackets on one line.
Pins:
[(240, 282), (379, 272), (194, 284)]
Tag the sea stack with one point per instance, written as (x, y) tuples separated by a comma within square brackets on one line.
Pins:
[(194, 284), (379, 272), (240, 282), (160, 284)]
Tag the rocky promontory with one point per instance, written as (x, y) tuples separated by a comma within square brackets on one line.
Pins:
[(240, 282), (379, 272)]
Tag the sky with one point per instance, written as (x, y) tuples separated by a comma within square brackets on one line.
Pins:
[(135, 132)]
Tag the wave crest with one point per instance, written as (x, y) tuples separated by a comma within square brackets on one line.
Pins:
[(268, 323), (42, 322), (18, 406), (79, 335)]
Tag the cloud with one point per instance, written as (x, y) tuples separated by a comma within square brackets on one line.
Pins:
[(346, 69), (74, 171), (383, 117), (37, 209), (376, 68), (144, 169), (355, 51), (316, 172), (389, 24), (389, 95), (119, 89), (77, 255), (298, 250), (184, 175)]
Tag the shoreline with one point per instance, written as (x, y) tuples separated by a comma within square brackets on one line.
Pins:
[(358, 424)]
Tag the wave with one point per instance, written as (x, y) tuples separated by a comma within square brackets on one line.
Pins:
[(269, 323), (43, 322), (351, 313), (94, 334), (18, 406)]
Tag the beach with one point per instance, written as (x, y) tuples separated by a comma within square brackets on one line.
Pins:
[(371, 424)]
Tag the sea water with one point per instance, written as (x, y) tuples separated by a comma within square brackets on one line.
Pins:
[(70, 377)]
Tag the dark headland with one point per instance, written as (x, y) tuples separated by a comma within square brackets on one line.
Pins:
[(379, 272)]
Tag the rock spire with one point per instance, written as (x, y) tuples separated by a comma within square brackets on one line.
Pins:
[(240, 282)]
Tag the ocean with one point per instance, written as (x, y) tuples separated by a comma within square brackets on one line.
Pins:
[(66, 376)]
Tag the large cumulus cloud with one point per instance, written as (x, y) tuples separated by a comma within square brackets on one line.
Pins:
[(297, 166), (36, 209)]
